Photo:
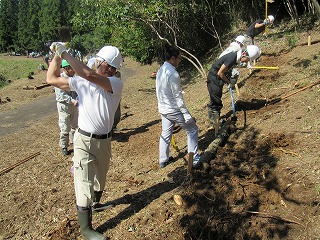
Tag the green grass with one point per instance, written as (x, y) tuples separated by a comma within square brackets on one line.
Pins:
[(12, 68), (3, 81)]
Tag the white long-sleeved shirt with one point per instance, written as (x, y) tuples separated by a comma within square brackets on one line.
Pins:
[(169, 92)]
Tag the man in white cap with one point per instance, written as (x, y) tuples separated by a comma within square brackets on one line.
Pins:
[(222, 72), (258, 27), (99, 96)]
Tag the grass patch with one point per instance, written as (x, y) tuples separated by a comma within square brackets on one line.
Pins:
[(3, 81), (17, 67)]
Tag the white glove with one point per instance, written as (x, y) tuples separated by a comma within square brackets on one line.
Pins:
[(187, 117), (58, 48), (234, 78), (235, 73)]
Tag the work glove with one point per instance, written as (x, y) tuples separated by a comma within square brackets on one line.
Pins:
[(265, 22), (58, 48), (243, 64), (234, 78), (187, 117), (235, 73)]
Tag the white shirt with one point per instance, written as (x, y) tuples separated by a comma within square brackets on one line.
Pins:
[(169, 92), (96, 106)]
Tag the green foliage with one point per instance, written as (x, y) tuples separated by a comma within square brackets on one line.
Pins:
[(3, 81), (138, 27), (8, 20), (292, 41)]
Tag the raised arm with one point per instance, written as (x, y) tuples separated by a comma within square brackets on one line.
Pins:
[(87, 73), (82, 69), (53, 75)]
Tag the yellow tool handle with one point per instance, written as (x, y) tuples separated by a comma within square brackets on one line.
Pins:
[(237, 89), (264, 67), (173, 142)]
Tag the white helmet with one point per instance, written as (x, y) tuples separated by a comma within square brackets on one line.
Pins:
[(271, 18), (241, 39), (253, 52), (111, 55)]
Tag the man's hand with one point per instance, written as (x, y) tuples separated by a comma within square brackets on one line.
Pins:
[(187, 118), (234, 78), (58, 48)]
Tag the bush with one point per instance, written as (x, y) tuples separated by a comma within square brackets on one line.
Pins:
[(3, 81)]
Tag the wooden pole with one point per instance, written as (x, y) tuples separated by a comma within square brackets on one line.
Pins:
[(300, 90), (266, 29), (309, 40), (190, 162), (19, 163), (237, 89), (216, 125)]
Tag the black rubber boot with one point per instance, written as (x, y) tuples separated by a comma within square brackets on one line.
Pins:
[(213, 115), (85, 222), (97, 206), (97, 196)]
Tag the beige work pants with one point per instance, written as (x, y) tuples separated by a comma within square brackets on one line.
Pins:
[(91, 163)]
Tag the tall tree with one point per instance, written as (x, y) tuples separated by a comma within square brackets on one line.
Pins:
[(8, 28), (50, 16)]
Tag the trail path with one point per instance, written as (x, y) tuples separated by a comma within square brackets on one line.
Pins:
[(15, 121), (25, 115)]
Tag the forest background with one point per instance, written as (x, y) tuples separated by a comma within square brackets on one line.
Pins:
[(138, 28)]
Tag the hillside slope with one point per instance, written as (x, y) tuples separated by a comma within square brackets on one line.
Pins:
[(263, 182)]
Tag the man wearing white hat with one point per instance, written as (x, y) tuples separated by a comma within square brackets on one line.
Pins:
[(237, 45), (99, 96), (258, 27), (221, 72)]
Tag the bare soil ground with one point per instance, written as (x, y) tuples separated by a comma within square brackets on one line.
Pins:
[(262, 183)]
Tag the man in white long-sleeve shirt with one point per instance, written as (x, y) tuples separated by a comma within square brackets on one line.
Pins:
[(172, 107)]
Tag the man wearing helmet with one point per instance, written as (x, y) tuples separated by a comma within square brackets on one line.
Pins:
[(258, 27), (235, 46), (67, 110), (221, 72), (99, 95)]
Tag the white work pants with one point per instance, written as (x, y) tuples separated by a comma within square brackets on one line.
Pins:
[(168, 121)]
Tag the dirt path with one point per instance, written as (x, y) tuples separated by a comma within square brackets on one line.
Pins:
[(26, 114), (22, 117)]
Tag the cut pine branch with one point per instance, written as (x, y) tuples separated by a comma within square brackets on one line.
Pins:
[(284, 97), (274, 217), (19, 163)]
